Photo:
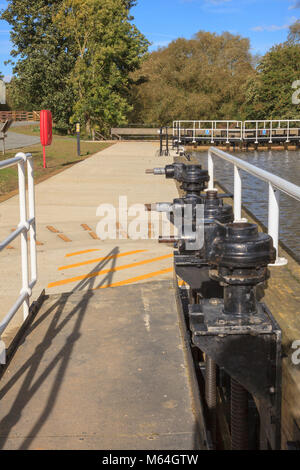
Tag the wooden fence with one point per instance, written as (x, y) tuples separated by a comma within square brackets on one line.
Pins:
[(20, 115)]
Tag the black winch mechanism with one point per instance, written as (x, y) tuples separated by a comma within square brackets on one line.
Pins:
[(235, 339)]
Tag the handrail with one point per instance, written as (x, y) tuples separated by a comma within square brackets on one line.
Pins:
[(231, 130), (276, 184), (263, 129), (27, 224), (210, 128)]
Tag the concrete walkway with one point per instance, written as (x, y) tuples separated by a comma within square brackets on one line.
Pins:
[(97, 369), (101, 370), (70, 256)]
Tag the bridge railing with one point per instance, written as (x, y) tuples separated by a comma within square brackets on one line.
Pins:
[(275, 183), (272, 130), (208, 130), (26, 225)]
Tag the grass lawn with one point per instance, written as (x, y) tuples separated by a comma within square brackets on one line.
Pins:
[(32, 129), (60, 155)]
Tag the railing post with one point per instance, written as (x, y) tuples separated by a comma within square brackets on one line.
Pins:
[(212, 132), (288, 132), (227, 141), (194, 132), (237, 195), (210, 167), (160, 142), (271, 129), (256, 133), (273, 222), (31, 210), (167, 141), (24, 242)]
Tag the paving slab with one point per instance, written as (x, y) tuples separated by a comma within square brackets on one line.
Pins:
[(101, 370), (69, 200)]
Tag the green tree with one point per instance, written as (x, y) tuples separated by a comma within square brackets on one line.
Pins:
[(201, 78), (44, 59), (270, 91), (74, 57), (108, 48)]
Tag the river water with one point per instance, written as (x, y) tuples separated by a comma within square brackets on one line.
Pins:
[(255, 192)]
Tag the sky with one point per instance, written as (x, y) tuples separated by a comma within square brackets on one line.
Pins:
[(264, 22)]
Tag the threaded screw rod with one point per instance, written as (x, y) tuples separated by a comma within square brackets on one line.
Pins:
[(239, 416), (211, 395)]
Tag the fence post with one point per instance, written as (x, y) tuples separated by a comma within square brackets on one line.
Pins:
[(210, 167), (167, 141), (31, 210), (273, 221), (237, 203), (160, 142), (24, 241)]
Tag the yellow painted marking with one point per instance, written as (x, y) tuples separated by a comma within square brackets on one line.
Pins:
[(136, 279), (91, 261), (64, 238), (106, 271), (86, 227), (81, 252), (94, 236), (52, 229)]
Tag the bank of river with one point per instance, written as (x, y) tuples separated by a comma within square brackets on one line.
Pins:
[(255, 192)]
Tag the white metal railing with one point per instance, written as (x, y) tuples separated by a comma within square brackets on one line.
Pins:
[(275, 183), (272, 130), (208, 130), (26, 225), (255, 131)]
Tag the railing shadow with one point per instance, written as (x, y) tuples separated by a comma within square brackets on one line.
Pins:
[(29, 370)]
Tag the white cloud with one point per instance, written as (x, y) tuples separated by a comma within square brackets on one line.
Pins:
[(274, 27), (296, 5)]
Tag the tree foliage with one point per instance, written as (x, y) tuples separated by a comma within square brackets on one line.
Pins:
[(294, 34), (74, 57), (45, 59), (269, 94), (201, 78), (108, 48)]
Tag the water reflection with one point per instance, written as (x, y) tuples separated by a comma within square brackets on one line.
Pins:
[(255, 192)]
